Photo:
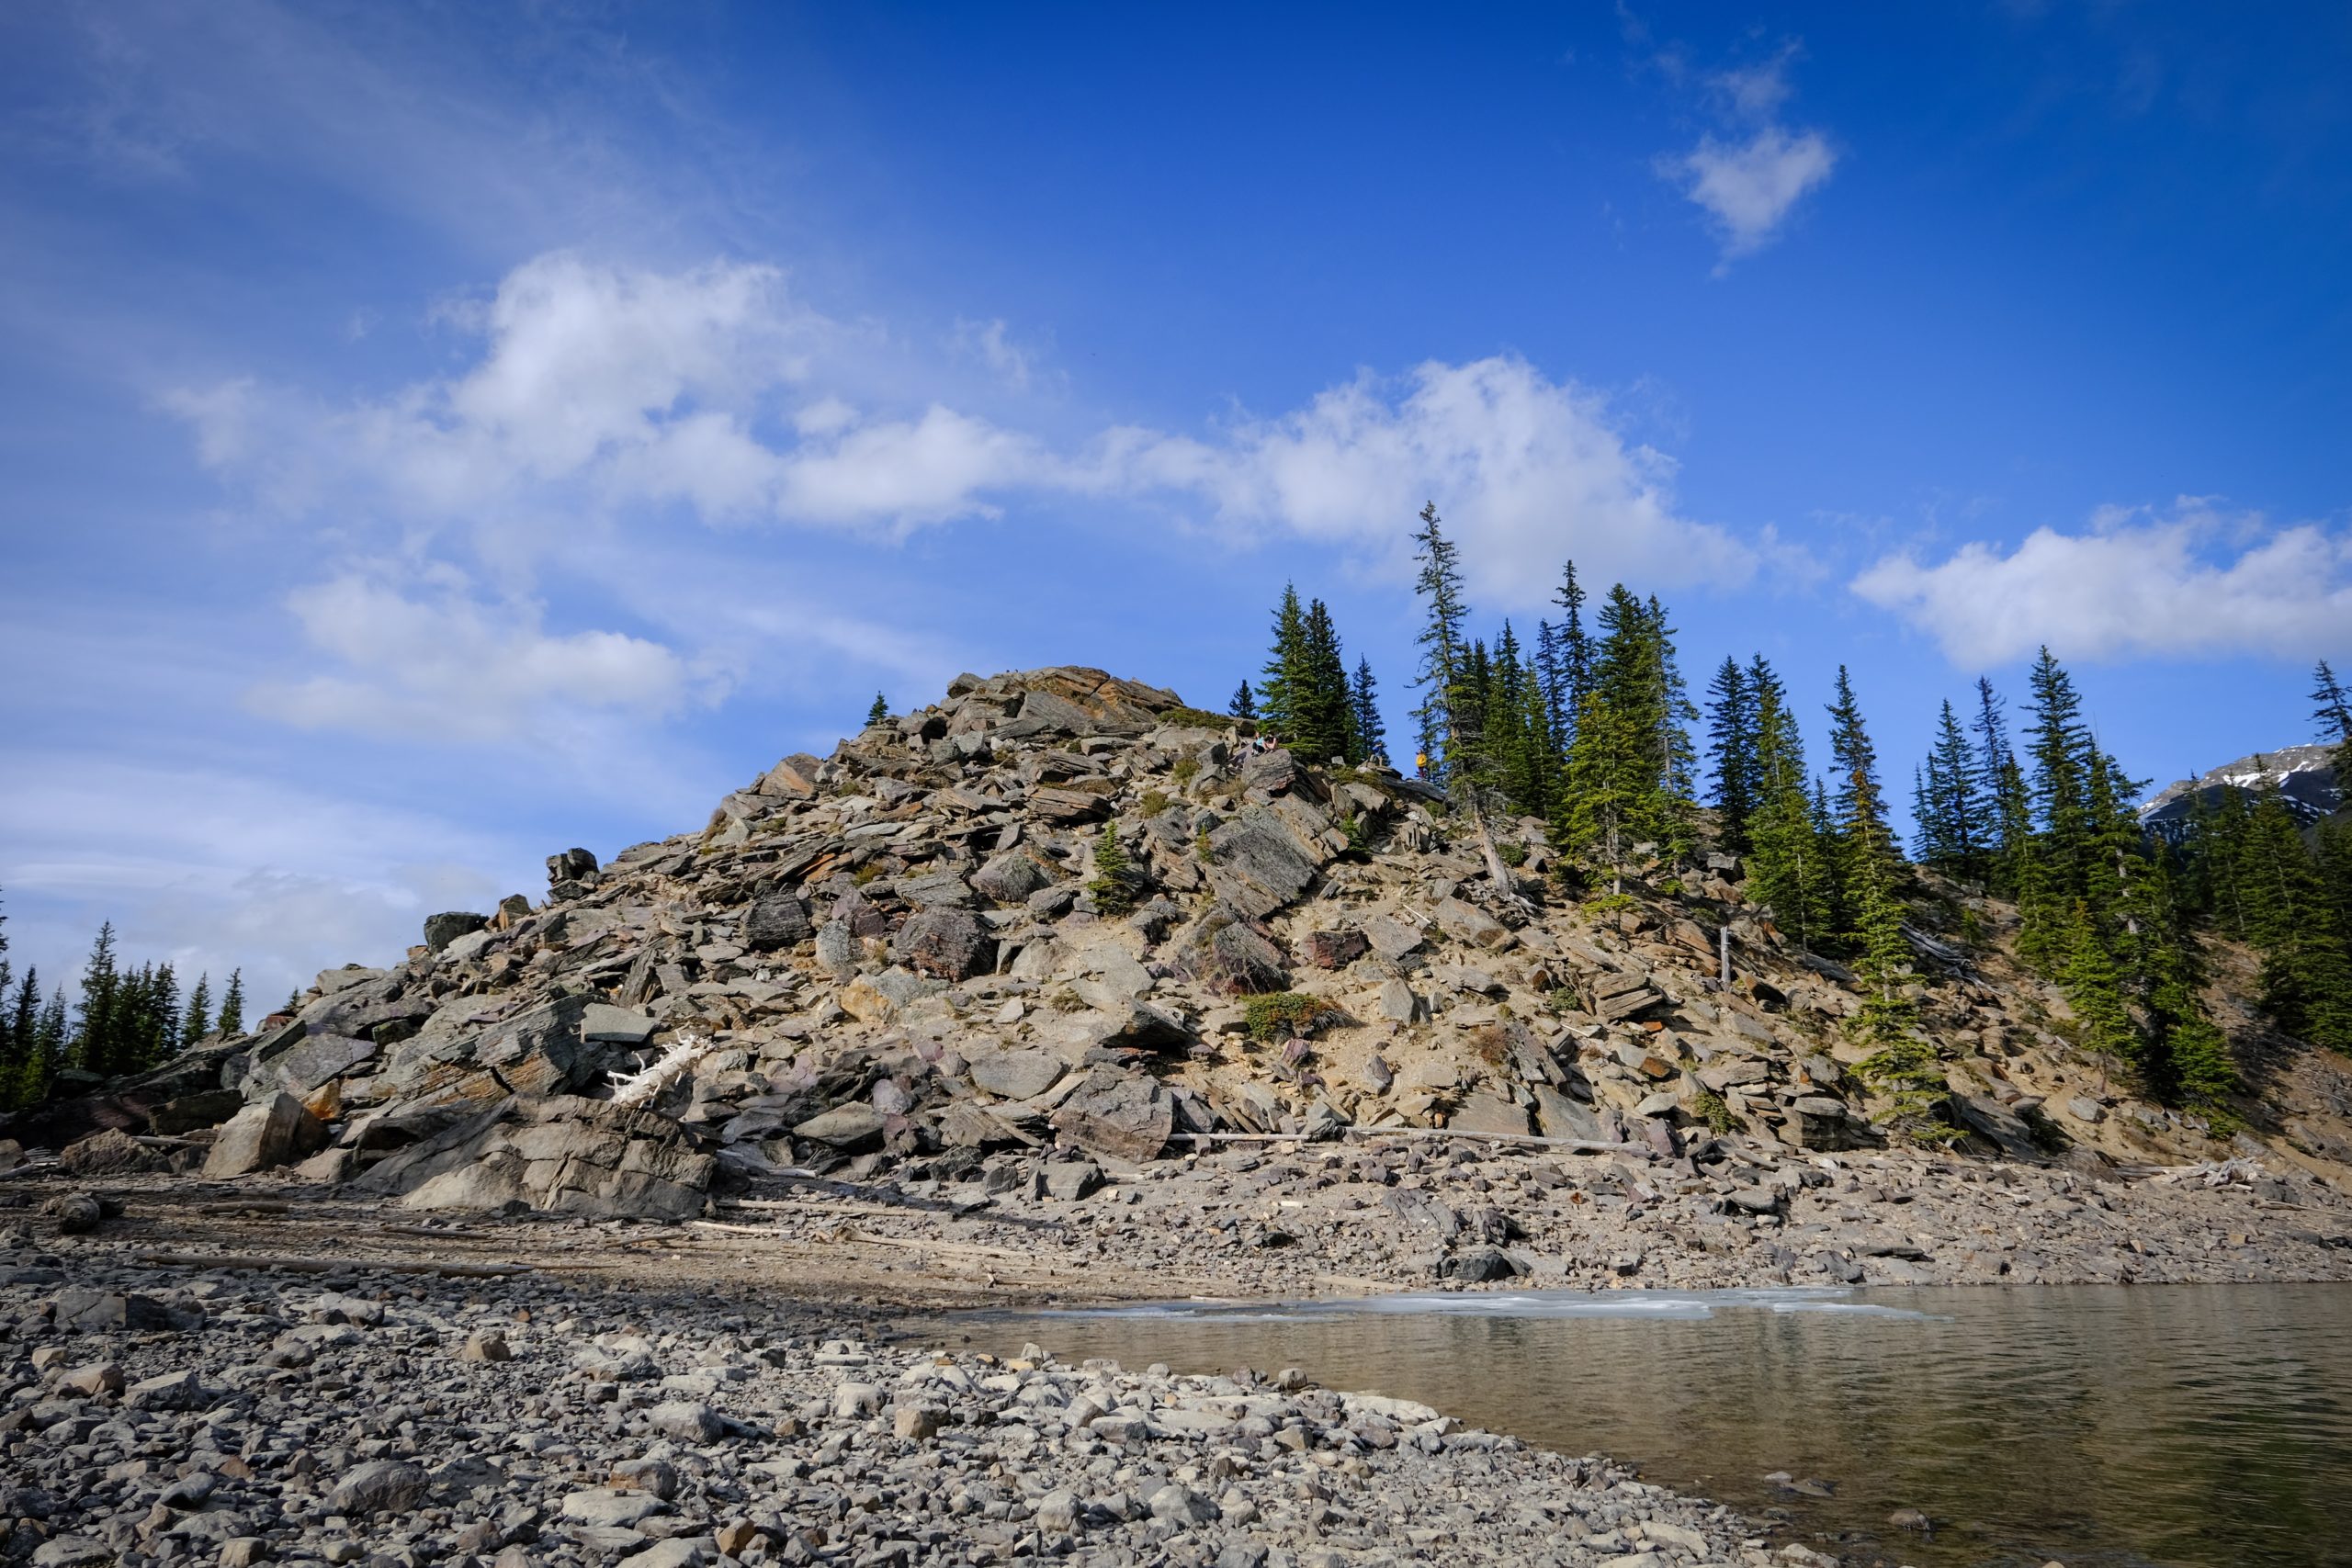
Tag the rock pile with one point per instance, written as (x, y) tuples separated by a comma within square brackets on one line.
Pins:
[(907, 955)]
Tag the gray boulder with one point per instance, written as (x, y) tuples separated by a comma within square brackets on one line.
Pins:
[(946, 944), (775, 921), (443, 929), (270, 1133), (380, 1487), (1011, 878), (1119, 1116), (1016, 1075)]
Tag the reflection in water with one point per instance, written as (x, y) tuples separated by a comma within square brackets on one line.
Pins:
[(2182, 1424)]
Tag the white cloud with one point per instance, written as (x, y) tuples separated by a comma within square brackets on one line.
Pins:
[(603, 392), (1526, 471), (1749, 180), (454, 668), (604, 388), (1750, 187), (2195, 583)]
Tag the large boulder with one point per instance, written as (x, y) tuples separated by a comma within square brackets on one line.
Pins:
[(1119, 1116), (1223, 951), (946, 944), (776, 920), (264, 1135), (1257, 862), (110, 1151), (443, 929), (1016, 1075), (1011, 877), (558, 1153)]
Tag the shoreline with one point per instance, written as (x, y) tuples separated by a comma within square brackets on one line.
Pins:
[(759, 1336), (528, 1419)]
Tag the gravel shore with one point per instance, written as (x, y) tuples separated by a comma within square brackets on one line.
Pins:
[(239, 1416)]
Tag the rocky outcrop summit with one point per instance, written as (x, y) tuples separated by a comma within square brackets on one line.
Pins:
[(911, 960)]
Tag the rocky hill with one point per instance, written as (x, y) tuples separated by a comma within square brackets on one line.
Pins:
[(908, 963)]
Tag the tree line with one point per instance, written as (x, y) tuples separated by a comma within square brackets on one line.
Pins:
[(1590, 726), (121, 1020)]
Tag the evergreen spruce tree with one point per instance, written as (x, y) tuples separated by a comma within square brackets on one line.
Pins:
[(19, 1039), (2056, 870), (97, 1024), (2002, 783), (1624, 764), (1243, 703), (1322, 724), (1284, 678), (1576, 650), (2095, 990), (232, 1005), (2306, 970), (1114, 888), (1954, 834), (1902, 1064), (1551, 674), (2185, 1057), (1444, 656), (1858, 808), (52, 1050), (880, 713), (1731, 752), (1363, 706), (1787, 872), (2334, 717), (198, 1022)]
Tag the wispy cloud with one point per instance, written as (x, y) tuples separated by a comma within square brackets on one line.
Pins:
[(2193, 582), (1749, 177)]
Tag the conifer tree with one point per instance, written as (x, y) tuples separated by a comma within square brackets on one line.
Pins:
[(1954, 832), (2002, 783), (1787, 872), (1243, 703), (1364, 705), (1624, 763), (19, 1039), (198, 1022), (2334, 717), (1322, 724), (1113, 889), (1731, 750), (2306, 971), (1859, 807), (1443, 655), (52, 1049), (97, 1024), (2184, 1057), (1551, 674), (1576, 649), (1284, 678), (2095, 990), (880, 713), (232, 1005)]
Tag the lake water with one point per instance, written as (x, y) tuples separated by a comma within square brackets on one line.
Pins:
[(2098, 1426)]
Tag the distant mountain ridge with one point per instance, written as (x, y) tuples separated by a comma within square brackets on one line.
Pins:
[(2303, 776)]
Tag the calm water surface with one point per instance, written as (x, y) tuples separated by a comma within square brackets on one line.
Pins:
[(2099, 1426)]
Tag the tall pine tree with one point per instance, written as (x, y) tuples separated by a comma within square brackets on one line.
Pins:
[(1731, 752), (1444, 656), (1788, 869), (1364, 705)]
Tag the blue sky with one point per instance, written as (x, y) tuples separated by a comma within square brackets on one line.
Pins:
[(433, 436)]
